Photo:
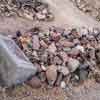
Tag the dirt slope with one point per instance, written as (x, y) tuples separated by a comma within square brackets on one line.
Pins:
[(66, 13)]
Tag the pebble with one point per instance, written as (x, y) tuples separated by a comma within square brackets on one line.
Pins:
[(64, 70), (55, 36), (43, 44), (81, 48), (64, 56), (36, 42), (52, 48), (73, 64), (59, 79), (66, 43), (57, 60), (35, 82), (51, 74), (63, 85)]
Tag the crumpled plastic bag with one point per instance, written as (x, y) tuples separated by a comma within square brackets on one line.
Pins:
[(15, 67)]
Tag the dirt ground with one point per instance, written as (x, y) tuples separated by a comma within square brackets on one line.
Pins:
[(66, 16)]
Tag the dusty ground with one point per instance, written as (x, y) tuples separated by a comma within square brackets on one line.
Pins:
[(66, 16)]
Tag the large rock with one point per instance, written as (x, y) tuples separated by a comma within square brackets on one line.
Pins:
[(15, 67)]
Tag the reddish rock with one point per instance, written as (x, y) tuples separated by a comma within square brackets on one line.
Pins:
[(35, 82), (43, 44), (51, 74), (66, 43), (55, 36), (36, 42)]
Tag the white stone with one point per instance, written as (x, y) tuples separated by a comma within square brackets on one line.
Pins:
[(73, 64), (63, 85)]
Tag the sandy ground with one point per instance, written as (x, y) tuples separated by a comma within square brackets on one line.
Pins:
[(66, 16)]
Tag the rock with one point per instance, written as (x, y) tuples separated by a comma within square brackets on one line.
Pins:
[(83, 74), (43, 67), (66, 43), (57, 60), (74, 52), (73, 64), (63, 85), (64, 70), (84, 31), (97, 77), (51, 74), (55, 36), (42, 76), (36, 42), (76, 41), (35, 82), (81, 48), (52, 48), (64, 56), (59, 79), (66, 49), (44, 57), (39, 69), (43, 44)]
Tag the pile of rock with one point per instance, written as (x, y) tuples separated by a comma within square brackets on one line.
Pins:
[(30, 9), (91, 8), (61, 56)]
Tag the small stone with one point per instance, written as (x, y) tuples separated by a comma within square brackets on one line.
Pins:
[(76, 41), (84, 31), (57, 60), (36, 42), (97, 77), (59, 79), (43, 44), (66, 49), (51, 74), (39, 69), (66, 43), (44, 57), (52, 48), (34, 82), (43, 67), (73, 64), (42, 76), (81, 48), (64, 56), (63, 85), (74, 52), (64, 70), (83, 74), (55, 36)]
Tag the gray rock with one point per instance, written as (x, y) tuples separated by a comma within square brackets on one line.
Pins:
[(14, 65), (73, 64), (64, 70)]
